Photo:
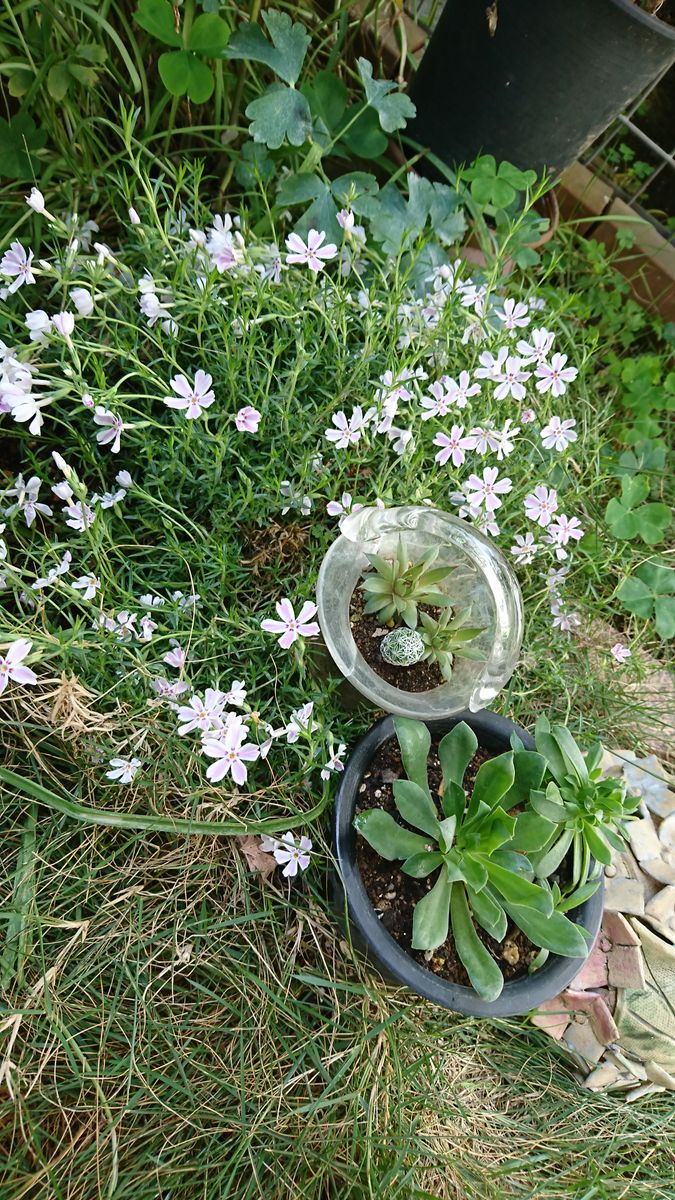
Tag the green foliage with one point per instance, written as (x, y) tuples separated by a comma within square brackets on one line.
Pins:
[(496, 187), (629, 517), (19, 140), (588, 812), (448, 636), (284, 54), (396, 586), (650, 592), (393, 108), (80, 67), (183, 71), (481, 877), (647, 394)]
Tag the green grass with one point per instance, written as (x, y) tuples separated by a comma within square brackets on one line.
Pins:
[(172, 1028)]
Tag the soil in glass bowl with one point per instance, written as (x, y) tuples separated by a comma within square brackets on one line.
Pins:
[(368, 631), (394, 895)]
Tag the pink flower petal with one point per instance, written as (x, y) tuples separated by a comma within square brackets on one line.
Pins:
[(285, 610)]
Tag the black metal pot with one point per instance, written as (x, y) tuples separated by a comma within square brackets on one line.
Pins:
[(519, 995), (542, 86)]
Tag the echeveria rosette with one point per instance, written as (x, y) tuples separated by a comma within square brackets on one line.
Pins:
[(396, 586), (483, 875), (587, 812)]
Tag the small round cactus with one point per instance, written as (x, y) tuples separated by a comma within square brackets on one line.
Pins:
[(402, 647)]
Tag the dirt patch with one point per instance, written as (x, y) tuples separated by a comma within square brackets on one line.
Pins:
[(394, 895), (368, 631)]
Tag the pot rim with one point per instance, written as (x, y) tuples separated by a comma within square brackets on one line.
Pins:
[(651, 20), (519, 995)]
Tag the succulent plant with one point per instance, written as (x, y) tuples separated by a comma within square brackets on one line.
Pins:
[(402, 647), (448, 636), (477, 850), (396, 586)]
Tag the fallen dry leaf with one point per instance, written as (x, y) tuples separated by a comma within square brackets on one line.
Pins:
[(257, 859)]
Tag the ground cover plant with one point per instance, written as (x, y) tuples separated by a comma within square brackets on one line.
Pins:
[(193, 395)]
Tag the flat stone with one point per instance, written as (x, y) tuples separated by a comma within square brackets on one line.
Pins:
[(666, 931), (619, 932), (658, 1074), (662, 868), (625, 967), (624, 895), (552, 1017), (594, 1009), (629, 1065), (662, 906), (644, 840), (593, 974), (667, 832), (647, 776), (645, 1089), (581, 1039), (604, 1075)]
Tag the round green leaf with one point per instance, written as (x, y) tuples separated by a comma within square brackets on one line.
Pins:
[(181, 72), (156, 17), (209, 35)]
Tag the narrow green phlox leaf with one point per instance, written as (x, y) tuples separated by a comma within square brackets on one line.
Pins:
[(209, 35), (387, 837), (414, 740), (418, 866), (554, 932), (489, 914), (157, 18), (280, 114), (393, 108), (431, 915), (416, 807), (481, 968), (286, 53), (517, 890), (183, 73)]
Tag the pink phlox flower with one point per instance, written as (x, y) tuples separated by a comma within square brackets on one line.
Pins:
[(168, 689), (88, 585), (555, 375), (537, 349), (225, 248), (342, 508), (10, 664), (54, 573), (235, 694), (147, 627), (289, 626), (248, 419), (80, 515), (400, 438), (38, 324), (345, 219), (191, 398), (513, 315), (490, 366), (453, 445), (16, 265), (525, 548), (108, 499), (438, 403), (560, 531), (64, 324), (486, 491), (482, 440), (313, 253), (348, 432), (125, 626), (26, 494), (620, 652), (123, 769), (83, 301), (231, 754), (485, 523), (462, 391), (559, 434), (300, 722), (295, 857), (505, 442), (527, 416), (177, 657), (150, 600), (202, 714), (511, 380), (113, 427), (563, 620), (541, 504), (335, 762)]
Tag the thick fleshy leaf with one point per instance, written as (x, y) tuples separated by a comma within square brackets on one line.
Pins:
[(481, 967), (416, 807), (554, 932), (489, 834), (418, 866), (597, 845), (517, 890), (528, 773), (512, 861), (489, 914), (532, 831), (431, 915), (414, 740), (570, 752), (474, 872), (493, 781), (548, 746), (544, 804), (387, 837), (453, 800), (455, 751), (448, 828), (545, 864), (579, 895)]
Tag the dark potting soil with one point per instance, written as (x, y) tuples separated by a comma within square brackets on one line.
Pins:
[(368, 631), (394, 895)]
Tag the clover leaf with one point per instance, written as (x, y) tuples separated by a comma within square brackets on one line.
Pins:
[(19, 138), (286, 53), (651, 592), (183, 73), (394, 110), (156, 17), (628, 517)]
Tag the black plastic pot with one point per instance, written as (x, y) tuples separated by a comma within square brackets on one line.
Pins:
[(519, 995), (553, 75)]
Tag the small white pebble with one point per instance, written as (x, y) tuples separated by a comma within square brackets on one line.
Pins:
[(378, 793)]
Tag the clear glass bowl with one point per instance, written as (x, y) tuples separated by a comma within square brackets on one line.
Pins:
[(483, 581)]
